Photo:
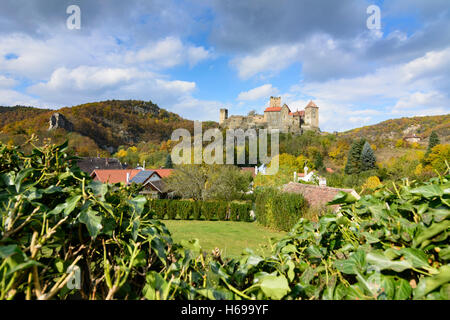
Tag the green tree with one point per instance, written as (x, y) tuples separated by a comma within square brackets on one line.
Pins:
[(168, 163), (367, 158), (432, 142), (353, 165)]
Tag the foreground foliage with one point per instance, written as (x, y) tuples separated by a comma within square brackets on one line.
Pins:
[(392, 244)]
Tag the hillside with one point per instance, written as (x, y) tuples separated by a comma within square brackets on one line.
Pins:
[(394, 129), (18, 113), (108, 124)]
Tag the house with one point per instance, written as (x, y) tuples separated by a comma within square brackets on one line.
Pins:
[(114, 176), (151, 180), (89, 164), (317, 196), (412, 138)]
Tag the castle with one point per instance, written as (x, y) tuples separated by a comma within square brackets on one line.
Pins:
[(275, 117)]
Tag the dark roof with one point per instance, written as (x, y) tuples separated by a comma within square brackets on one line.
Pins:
[(142, 176), (88, 165)]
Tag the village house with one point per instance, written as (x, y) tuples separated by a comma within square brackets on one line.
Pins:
[(151, 180)]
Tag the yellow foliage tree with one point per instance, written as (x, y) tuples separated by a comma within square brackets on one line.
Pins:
[(372, 183)]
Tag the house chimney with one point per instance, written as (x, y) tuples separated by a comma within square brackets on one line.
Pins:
[(128, 177), (295, 176), (256, 170), (143, 165)]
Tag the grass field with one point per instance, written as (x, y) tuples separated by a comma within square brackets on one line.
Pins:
[(229, 236)]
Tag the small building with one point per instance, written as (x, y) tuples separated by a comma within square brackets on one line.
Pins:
[(150, 179), (412, 138)]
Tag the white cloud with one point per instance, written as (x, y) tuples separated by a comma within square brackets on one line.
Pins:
[(257, 93), (167, 53), (7, 82), (272, 59), (407, 89)]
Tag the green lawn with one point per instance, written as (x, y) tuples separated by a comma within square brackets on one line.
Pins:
[(231, 237)]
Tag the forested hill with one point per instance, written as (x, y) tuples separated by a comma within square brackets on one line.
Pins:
[(18, 113), (403, 127), (109, 124)]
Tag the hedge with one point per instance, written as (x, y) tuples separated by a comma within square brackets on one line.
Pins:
[(279, 210), (200, 210)]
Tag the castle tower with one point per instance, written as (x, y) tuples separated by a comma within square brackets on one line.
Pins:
[(275, 102), (223, 116), (312, 115)]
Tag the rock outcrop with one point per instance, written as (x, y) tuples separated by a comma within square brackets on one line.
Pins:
[(57, 120)]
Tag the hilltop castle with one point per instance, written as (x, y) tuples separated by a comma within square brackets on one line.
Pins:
[(275, 117)]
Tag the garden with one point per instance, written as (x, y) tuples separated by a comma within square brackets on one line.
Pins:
[(390, 244)]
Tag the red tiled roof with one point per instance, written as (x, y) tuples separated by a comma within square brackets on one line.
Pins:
[(315, 195), (114, 176), (330, 170), (297, 113), (163, 172), (272, 109)]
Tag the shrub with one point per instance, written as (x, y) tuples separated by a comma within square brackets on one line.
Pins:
[(184, 209), (209, 209), (196, 210), (222, 210), (279, 210), (240, 211)]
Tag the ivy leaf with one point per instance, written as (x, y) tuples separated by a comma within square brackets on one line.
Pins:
[(92, 221), (402, 290), (428, 284), (274, 287), (428, 191), (99, 189)]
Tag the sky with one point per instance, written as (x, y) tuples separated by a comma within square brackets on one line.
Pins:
[(193, 57)]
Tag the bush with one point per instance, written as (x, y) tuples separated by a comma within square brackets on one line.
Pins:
[(209, 209), (222, 210), (240, 211), (279, 210), (196, 210), (185, 209)]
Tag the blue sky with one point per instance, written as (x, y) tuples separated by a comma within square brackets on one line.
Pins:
[(194, 57)]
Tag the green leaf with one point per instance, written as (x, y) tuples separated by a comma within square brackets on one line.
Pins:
[(430, 232), (138, 204), (428, 284), (92, 221), (342, 198), (156, 288), (428, 191), (9, 250), (402, 290), (354, 264), (22, 266), (216, 294), (380, 262), (274, 287), (99, 189)]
